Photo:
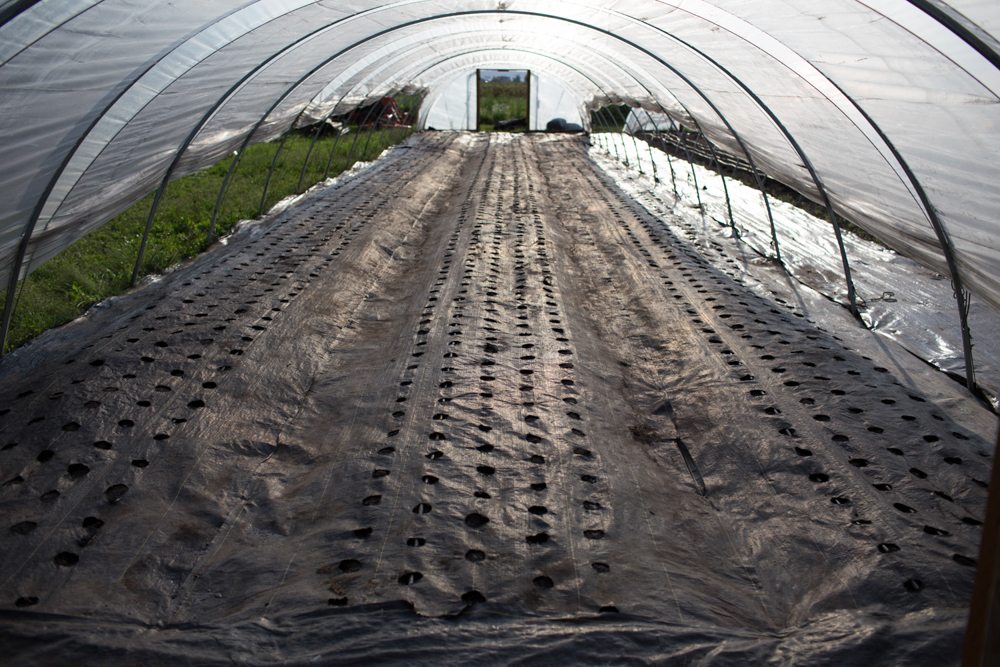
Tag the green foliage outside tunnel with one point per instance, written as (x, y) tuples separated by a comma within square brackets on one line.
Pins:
[(501, 100)]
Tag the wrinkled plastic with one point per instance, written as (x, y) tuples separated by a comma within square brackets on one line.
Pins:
[(463, 404), (898, 298), (460, 403)]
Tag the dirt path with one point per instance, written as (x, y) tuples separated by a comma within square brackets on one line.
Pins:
[(480, 382)]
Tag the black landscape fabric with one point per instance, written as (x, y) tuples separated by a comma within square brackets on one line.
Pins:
[(474, 405)]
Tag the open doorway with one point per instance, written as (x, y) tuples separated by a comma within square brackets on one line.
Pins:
[(502, 100)]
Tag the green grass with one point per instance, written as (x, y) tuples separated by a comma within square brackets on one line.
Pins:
[(501, 101), (100, 264)]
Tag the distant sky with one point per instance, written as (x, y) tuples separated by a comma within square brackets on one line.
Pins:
[(490, 74)]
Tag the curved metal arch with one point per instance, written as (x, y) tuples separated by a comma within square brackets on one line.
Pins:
[(908, 178), (391, 59), (884, 152), (339, 20), (801, 60), (301, 39), (954, 24), (687, 111), (249, 75), (946, 247), (291, 88), (220, 103), (921, 197), (939, 229), (406, 75), (944, 241), (26, 234), (793, 142), (153, 62), (383, 8), (585, 26), (598, 8), (909, 174), (961, 294), (851, 291), (449, 15), (304, 38), (675, 5), (389, 90)]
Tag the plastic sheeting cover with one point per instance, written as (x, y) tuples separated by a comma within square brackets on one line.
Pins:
[(469, 404), (899, 298), (98, 98)]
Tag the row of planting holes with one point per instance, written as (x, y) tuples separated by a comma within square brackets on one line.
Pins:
[(656, 235), (114, 493)]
